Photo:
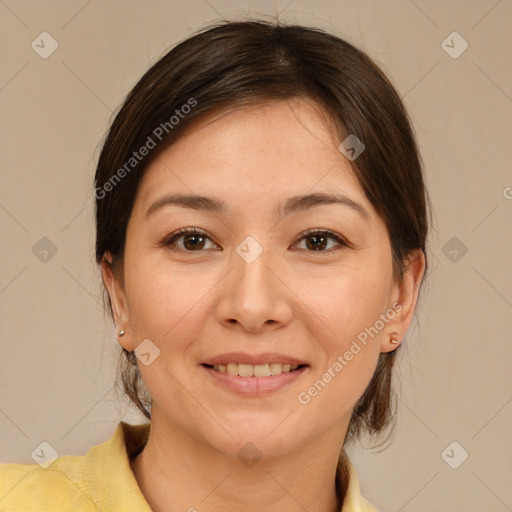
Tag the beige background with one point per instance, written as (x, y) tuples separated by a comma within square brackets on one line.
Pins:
[(57, 365)]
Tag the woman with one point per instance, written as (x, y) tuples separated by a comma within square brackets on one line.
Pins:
[(261, 232)]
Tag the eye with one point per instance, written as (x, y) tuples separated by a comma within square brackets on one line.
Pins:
[(194, 239), (319, 240)]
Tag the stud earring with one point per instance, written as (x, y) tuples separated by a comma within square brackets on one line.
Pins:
[(395, 342), (120, 333)]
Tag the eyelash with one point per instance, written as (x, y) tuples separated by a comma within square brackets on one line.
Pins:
[(171, 239)]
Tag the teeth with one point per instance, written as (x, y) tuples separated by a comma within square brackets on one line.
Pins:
[(254, 370), (245, 370)]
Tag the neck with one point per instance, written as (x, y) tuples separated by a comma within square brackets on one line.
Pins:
[(177, 472)]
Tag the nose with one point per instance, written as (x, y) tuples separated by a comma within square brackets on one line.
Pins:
[(254, 296)]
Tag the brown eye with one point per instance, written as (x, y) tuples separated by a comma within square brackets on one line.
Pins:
[(194, 240), (318, 240)]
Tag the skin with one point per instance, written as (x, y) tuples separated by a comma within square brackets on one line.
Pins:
[(194, 304)]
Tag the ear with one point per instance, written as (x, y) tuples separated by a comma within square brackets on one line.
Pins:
[(116, 292), (403, 303)]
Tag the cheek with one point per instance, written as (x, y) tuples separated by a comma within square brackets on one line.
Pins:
[(350, 309), (348, 303), (333, 393), (166, 308), (160, 301)]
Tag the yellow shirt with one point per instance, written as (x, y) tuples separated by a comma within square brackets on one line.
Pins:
[(102, 480)]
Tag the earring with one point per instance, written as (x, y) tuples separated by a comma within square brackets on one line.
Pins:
[(120, 333), (395, 342)]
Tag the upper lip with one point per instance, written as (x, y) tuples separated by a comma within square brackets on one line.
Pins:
[(244, 358)]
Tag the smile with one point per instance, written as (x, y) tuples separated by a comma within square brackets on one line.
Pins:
[(254, 380), (254, 370)]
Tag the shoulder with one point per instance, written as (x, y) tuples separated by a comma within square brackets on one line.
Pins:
[(28, 487), (101, 479)]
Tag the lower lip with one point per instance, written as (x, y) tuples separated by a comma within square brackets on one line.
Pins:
[(255, 385)]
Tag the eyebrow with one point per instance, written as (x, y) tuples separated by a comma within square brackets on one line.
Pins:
[(292, 204)]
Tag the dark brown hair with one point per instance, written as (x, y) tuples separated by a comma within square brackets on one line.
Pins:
[(232, 64)]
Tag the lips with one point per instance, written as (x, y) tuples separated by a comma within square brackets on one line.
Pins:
[(254, 385), (254, 374)]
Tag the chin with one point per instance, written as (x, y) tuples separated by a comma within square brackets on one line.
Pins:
[(267, 434)]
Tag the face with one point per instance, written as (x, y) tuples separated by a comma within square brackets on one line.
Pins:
[(263, 278)]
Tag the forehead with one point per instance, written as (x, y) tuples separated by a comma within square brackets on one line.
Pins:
[(248, 155)]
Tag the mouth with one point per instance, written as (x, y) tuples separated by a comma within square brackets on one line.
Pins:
[(254, 370), (253, 380)]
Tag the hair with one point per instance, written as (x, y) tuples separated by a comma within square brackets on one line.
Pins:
[(236, 64)]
